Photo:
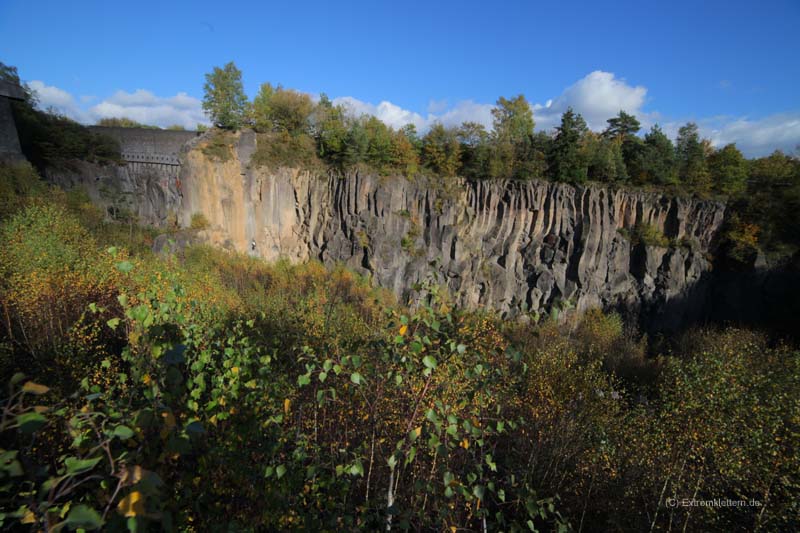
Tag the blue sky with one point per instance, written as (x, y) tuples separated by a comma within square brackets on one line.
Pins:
[(733, 66)]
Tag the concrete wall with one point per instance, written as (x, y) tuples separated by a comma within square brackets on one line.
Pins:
[(144, 145)]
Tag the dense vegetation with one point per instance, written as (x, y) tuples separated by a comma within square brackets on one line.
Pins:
[(211, 391)]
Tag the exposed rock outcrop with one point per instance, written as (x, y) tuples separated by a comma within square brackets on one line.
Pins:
[(506, 245)]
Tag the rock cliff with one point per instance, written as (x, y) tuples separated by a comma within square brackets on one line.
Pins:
[(506, 245), (509, 246)]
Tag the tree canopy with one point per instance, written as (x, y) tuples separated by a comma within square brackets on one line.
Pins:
[(225, 102)]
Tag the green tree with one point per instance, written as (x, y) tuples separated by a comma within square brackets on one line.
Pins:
[(728, 169), (474, 140), (512, 119), (511, 140), (691, 153), (566, 161), (123, 122), (261, 111), (659, 164), (441, 150), (330, 131), (225, 102), (290, 111), (621, 127), (604, 158)]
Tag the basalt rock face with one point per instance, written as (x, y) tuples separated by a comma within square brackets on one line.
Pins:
[(509, 246), (150, 192)]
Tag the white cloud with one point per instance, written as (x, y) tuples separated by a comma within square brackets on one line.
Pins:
[(755, 137), (397, 117), (141, 105), (598, 96), (61, 101), (147, 108), (391, 114)]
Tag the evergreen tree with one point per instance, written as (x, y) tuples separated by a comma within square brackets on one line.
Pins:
[(659, 165), (691, 154), (621, 127), (566, 161)]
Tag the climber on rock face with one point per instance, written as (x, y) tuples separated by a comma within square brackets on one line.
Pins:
[(253, 245)]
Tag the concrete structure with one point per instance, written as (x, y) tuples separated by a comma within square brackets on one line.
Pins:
[(9, 140), (147, 150)]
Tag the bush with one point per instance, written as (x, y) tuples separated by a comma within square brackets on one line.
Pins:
[(219, 146), (199, 222), (277, 150), (646, 234), (50, 140)]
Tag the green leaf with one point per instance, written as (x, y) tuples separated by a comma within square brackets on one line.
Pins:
[(123, 432), (461, 348), (478, 491), (113, 323), (357, 469), (356, 378), (280, 471), (79, 466), (303, 380), (124, 266), (84, 517), (416, 346), (429, 361), (449, 479), (9, 464), (30, 422), (16, 378), (323, 376)]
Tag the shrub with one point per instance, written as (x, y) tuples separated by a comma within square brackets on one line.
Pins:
[(646, 234), (219, 146), (282, 149), (199, 222)]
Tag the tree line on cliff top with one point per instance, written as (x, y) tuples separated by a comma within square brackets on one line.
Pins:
[(571, 153)]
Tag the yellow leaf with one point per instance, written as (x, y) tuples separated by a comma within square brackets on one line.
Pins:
[(235, 370), (418, 431), (287, 403), (132, 504), (403, 329), (35, 388), (28, 518), (465, 444), (146, 379), (133, 475)]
